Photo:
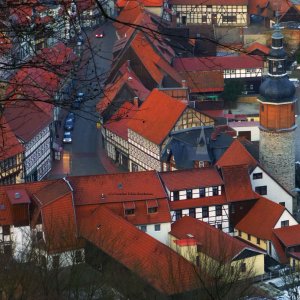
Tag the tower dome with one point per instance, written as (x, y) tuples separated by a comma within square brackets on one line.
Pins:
[(277, 87)]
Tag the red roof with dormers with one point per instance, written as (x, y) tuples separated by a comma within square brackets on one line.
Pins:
[(189, 64), (9, 144), (237, 183), (118, 123), (261, 219), (18, 196), (258, 46), (120, 187), (198, 202), (137, 251), (289, 236), (236, 154), (157, 116), (212, 241), (193, 178)]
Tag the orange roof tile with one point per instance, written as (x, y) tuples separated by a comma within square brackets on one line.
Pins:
[(236, 154), (142, 3), (289, 236), (154, 262), (9, 144), (258, 46), (204, 81), (118, 187), (261, 218), (53, 191), (213, 242), (118, 122), (193, 178), (198, 202), (157, 116), (237, 183)]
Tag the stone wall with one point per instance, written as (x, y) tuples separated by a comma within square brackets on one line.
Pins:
[(277, 156)]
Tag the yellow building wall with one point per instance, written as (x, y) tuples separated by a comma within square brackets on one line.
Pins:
[(155, 10), (253, 240), (297, 263), (255, 264), (188, 252)]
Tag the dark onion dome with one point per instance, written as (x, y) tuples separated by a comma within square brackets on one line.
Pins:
[(278, 89)]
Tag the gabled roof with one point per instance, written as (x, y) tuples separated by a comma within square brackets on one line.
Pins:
[(52, 192), (204, 81), (9, 144), (157, 116), (258, 46), (120, 187), (213, 242), (236, 154), (118, 122), (237, 183), (261, 218), (221, 63), (289, 236), (193, 178), (137, 251)]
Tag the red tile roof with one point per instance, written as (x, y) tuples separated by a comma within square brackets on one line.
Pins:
[(218, 63), (213, 242), (261, 219), (237, 183), (142, 3), (9, 144), (280, 250), (141, 215), (204, 81), (17, 196), (157, 116), (198, 202), (154, 262), (6, 213), (258, 46), (289, 236), (193, 178), (154, 63), (52, 192), (255, 5), (118, 187), (118, 123), (236, 154), (211, 2), (25, 118)]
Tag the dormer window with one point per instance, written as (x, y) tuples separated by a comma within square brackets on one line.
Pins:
[(129, 208), (152, 206)]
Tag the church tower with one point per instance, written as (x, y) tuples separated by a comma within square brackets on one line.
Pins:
[(277, 117)]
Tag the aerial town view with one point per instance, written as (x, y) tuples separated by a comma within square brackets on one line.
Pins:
[(150, 149)]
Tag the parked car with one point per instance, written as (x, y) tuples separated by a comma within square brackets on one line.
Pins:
[(71, 116), (69, 124), (67, 137), (99, 34)]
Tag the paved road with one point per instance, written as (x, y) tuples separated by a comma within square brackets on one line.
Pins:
[(80, 157)]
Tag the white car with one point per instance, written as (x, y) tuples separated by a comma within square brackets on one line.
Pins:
[(67, 137)]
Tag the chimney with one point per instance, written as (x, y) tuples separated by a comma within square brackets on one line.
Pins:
[(183, 83), (136, 101)]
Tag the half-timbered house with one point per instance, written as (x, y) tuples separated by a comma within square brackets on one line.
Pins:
[(148, 132), (211, 12)]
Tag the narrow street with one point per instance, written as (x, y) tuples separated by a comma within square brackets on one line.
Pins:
[(81, 156)]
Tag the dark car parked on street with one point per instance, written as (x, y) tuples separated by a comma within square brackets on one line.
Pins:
[(69, 124)]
